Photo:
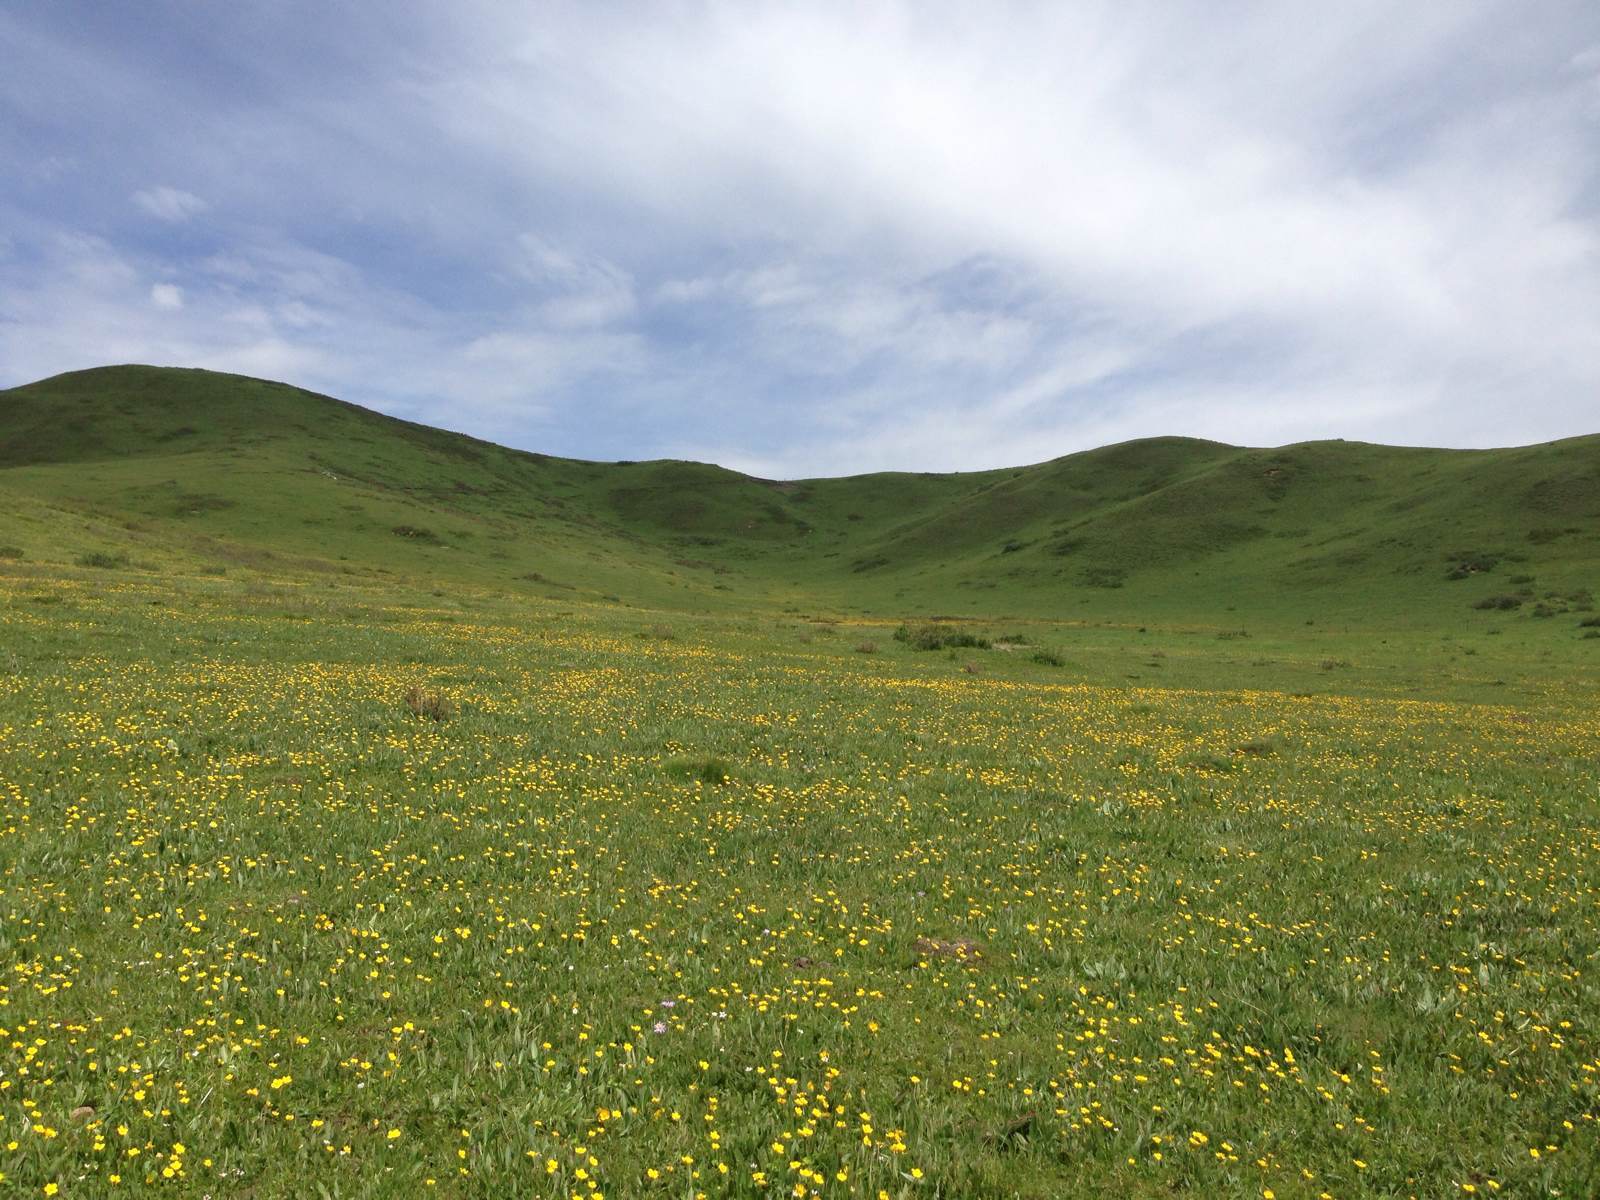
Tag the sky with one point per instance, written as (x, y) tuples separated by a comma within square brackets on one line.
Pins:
[(825, 238)]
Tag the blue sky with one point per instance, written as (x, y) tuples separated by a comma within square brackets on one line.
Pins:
[(819, 239)]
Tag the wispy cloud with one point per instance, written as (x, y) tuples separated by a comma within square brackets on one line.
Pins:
[(825, 238), (166, 295), (169, 204), (578, 289)]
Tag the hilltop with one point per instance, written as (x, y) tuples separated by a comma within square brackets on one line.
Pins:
[(193, 470)]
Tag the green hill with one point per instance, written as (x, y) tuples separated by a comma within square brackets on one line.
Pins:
[(187, 470)]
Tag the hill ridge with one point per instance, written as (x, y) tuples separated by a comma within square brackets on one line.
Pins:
[(195, 458)]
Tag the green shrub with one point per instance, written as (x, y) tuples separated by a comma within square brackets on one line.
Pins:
[(1465, 563), (1047, 658), (1540, 536), (938, 637), (1103, 577), (102, 559), (11, 552), (1502, 603)]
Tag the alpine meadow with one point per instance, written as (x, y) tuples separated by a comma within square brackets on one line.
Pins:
[(831, 601), (388, 812)]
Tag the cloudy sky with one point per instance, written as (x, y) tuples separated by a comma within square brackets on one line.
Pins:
[(818, 239)]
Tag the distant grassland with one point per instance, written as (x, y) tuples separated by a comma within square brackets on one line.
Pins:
[(318, 884), (183, 470)]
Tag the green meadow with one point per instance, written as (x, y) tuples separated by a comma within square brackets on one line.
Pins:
[(387, 813)]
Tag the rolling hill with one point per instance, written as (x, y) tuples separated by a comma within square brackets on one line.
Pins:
[(152, 468)]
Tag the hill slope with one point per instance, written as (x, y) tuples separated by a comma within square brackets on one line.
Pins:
[(188, 469)]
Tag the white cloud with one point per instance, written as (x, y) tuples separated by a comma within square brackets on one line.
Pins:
[(1338, 200), (830, 237), (279, 311), (580, 290), (169, 203)]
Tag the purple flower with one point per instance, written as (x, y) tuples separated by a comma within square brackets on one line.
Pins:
[(660, 1027)]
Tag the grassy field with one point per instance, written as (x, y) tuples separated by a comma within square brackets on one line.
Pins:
[(675, 906), (607, 834)]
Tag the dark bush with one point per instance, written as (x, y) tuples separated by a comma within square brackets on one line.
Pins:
[(937, 637), (1048, 658), (11, 552), (1540, 536), (1103, 577), (1470, 562), (1499, 602), (102, 559)]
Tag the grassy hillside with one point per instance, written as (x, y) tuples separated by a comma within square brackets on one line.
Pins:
[(193, 470), (391, 814)]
